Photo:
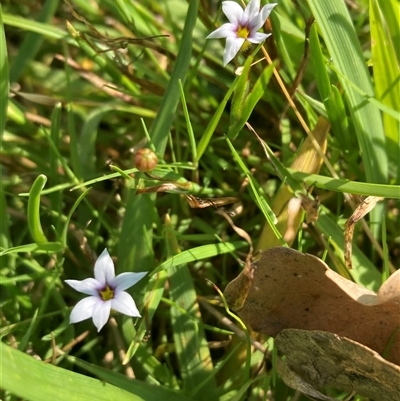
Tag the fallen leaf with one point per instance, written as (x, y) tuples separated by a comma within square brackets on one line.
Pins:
[(293, 380), (316, 359), (361, 210), (292, 290), (311, 207), (201, 203), (165, 187)]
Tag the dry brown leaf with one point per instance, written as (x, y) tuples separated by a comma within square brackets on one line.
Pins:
[(293, 380), (201, 203), (320, 359), (311, 207), (165, 187), (295, 290), (361, 210)]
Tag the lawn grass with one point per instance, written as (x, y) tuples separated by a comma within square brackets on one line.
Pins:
[(78, 99)]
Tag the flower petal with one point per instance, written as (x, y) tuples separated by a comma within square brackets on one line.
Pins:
[(258, 37), (224, 31), (232, 47), (89, 286), (266, 10), (125, 304), (259, 20), (101, 313), (251, 11), (233, 11), (126, 280), (83, 309), (104, 268)]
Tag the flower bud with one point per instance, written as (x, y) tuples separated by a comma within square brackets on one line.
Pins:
[(145, 160)]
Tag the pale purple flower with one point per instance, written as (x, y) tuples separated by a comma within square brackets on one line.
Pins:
[(242, 26), (106, 292)]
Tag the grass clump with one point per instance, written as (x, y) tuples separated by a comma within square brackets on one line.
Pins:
[(312, 112)]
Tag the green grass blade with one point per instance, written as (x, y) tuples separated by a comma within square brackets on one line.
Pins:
[(209, 131), (161, 126), (71, 212), (189, 126), (48, 247), (249, 101), (88, 137), (240, 94), (35, 227), (34, 380), (54, 176), (352, 187), (4, 81), (32, 42), (341, 40), (154, 293), (4, 85), (74, 147), (5, 241), (259, 195), (385, 22), (333, 105), (189, 337), (363, 272), (372, 100), (46, 30), (139, 390), (150, 364), (199, 253), (135, 247)]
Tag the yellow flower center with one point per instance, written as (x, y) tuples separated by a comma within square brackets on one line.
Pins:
[(243, 32), (107, 294)]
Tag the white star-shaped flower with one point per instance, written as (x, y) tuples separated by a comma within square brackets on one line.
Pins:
[(106, 292), (242, 26)]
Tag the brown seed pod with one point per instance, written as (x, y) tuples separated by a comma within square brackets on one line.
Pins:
[(145, 160)]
